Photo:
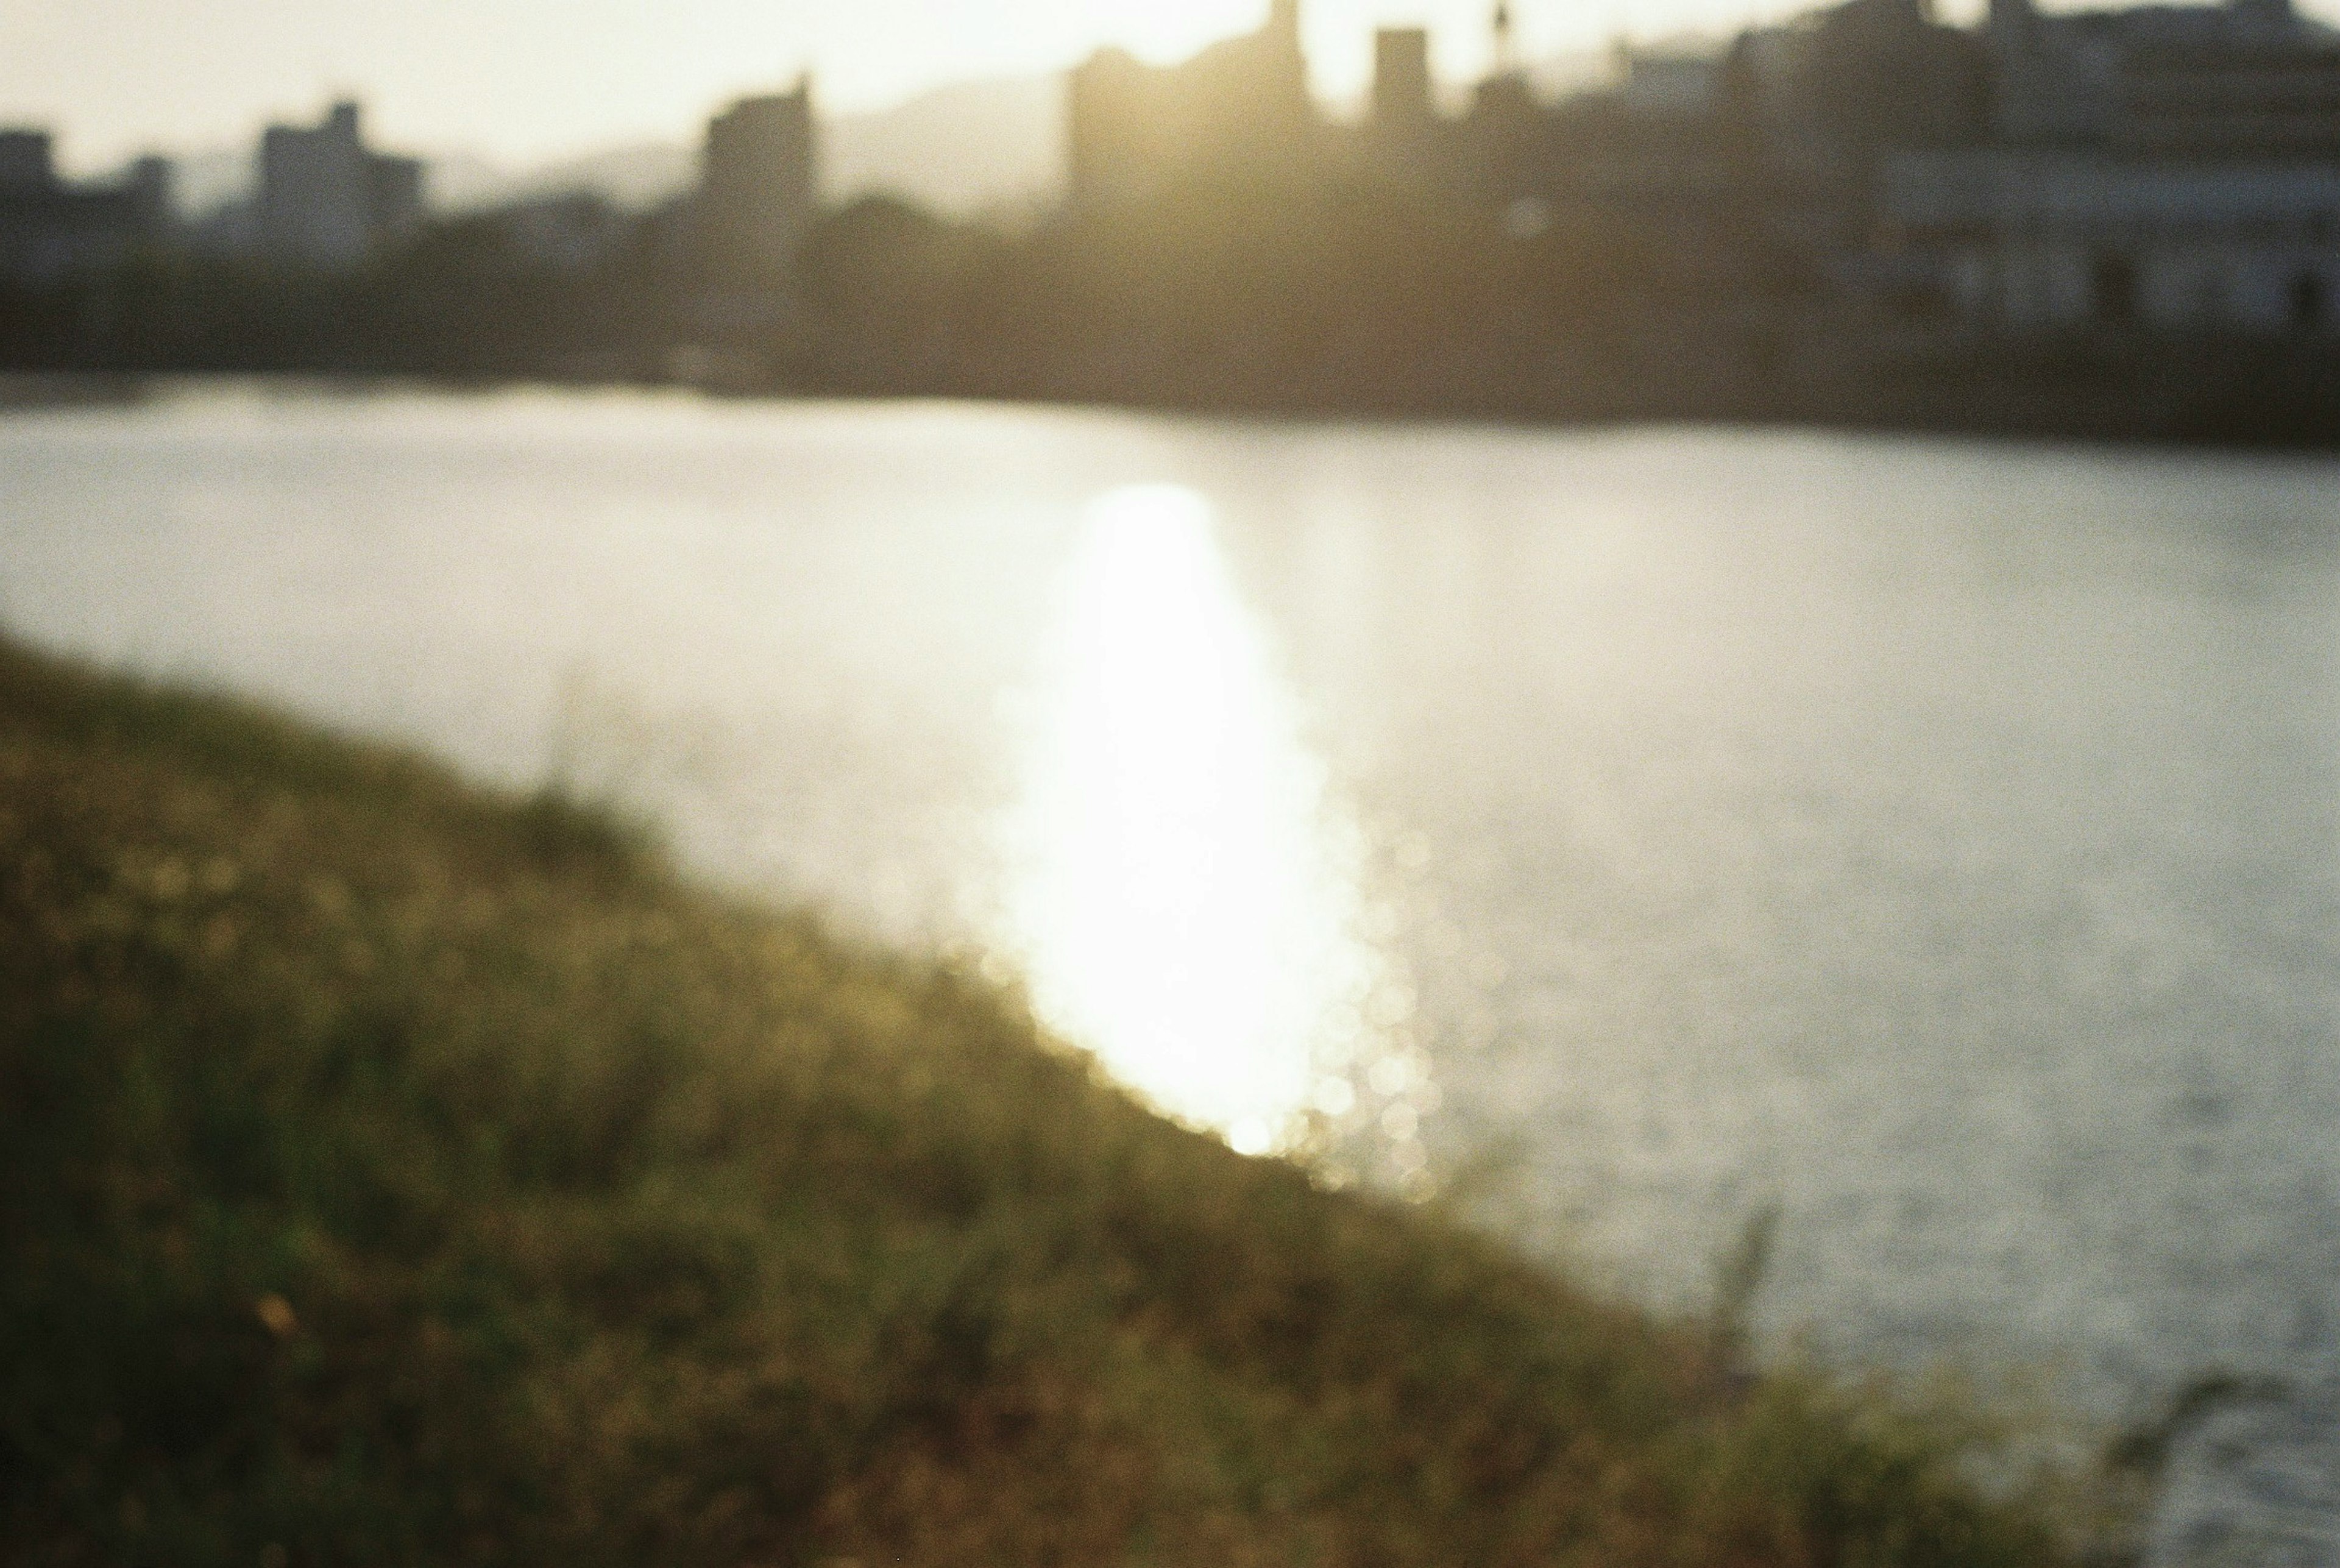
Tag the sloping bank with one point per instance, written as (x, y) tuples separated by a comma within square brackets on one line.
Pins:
[(391, 1174)]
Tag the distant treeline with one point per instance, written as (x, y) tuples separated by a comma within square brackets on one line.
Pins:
[(1355, 302)]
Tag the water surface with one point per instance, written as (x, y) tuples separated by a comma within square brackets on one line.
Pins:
[(1939, 840)]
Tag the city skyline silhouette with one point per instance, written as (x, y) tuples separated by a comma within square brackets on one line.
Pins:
[(525, 81)]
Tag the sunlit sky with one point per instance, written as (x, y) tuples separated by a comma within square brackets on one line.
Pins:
[(522, 80)]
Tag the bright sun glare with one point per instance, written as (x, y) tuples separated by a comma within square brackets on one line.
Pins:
[(1183, 908)]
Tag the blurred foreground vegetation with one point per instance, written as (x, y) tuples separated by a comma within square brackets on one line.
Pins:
[(394, 1175)]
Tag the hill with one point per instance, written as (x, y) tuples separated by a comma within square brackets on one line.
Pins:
[(394, 1174)]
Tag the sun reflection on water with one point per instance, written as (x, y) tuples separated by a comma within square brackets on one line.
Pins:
[(1186, 902)]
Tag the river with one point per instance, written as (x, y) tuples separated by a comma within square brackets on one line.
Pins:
[(1935, 841)]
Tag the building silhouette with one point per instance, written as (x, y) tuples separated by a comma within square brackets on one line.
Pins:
[(2164, 168), (326, 201), (2249, 78), (1238, 113), (1401, 131), (760, 189), (27, 161), (1404, 104), (2169, 170), (50, 229)]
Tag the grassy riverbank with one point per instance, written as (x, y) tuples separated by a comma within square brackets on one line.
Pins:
[(394, 1175)]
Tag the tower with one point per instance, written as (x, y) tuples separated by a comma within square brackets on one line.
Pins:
[(1281, 111), (759, 185), (1401, 95), (1403, 126), (1506, 49)]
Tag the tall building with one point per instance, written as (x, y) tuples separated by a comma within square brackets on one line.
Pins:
[(759, 187), (27, 161), (2169, 169), (1240, 110), (2247, 78), (1401, 137), (151, 183), (326, 201), (50, 229), (1401, 101)]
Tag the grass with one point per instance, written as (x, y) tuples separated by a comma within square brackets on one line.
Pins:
[(393, 1173)]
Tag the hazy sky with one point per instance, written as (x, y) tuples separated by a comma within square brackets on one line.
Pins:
[(529, 79), (524, 80)]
